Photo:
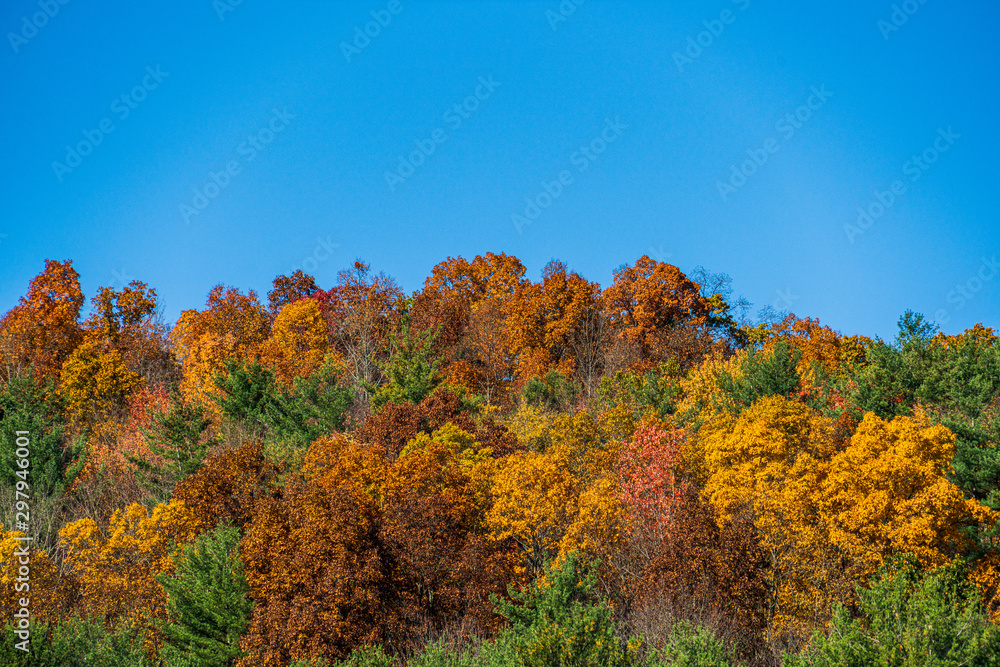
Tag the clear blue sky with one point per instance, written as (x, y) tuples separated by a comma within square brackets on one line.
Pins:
[(674, 120)]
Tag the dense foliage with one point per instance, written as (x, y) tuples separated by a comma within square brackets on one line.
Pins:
[(492, 471)]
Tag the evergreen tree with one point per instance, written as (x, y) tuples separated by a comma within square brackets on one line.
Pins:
[(27, 405), (177, 435), (909, 618), (207, 603), (411, 370)]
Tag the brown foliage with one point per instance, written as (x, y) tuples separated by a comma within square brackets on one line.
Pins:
[(315, 571), (396, 424), (228, 486), (288, 289), (711, 574), (648, 300)]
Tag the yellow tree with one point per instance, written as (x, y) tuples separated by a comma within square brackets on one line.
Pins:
[(49, 593), (95, 379), (298, 341), (770, 463), (116, 569), (888, 492), (233, 326), (562, 499), (127, 321)]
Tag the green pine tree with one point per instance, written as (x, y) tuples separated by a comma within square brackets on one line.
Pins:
[(179, 436), (207, 603), (411, 369)]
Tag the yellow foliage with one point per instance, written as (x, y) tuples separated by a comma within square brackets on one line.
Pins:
[(116, 571), (888, 492), (701, 384), (94, 378), (770, 462), (43, 587), (298, 341), (562, 499), (233, 326)]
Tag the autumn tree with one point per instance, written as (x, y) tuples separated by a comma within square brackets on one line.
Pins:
[(771, 462), (116, 570), (233, 326), (361, 311), (470, 301), (561, 499), (647, 301), (227, 487), (543, 320), (127, 321), (298, 342), (888, 492), (315, 571), (289, 289), (444, 565), (711, 573), (43, 328)]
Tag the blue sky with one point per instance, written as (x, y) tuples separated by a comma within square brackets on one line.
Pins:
[(622, 122)]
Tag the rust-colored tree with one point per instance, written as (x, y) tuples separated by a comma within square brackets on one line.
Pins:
[(288, 289), (647, 301), (362, 311), (314, 565), (43, 329)]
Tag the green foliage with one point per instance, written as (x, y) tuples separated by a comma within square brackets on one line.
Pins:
[(26, 405), (654, 392), (207, 603), (763, 374), (554, 391), (411, 370), (914, 330), (909, 618), (316, 406), (249, 392), (179, 436), (691, 646), (312, 407), (75, 642), (559, 620), (369, 656)]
